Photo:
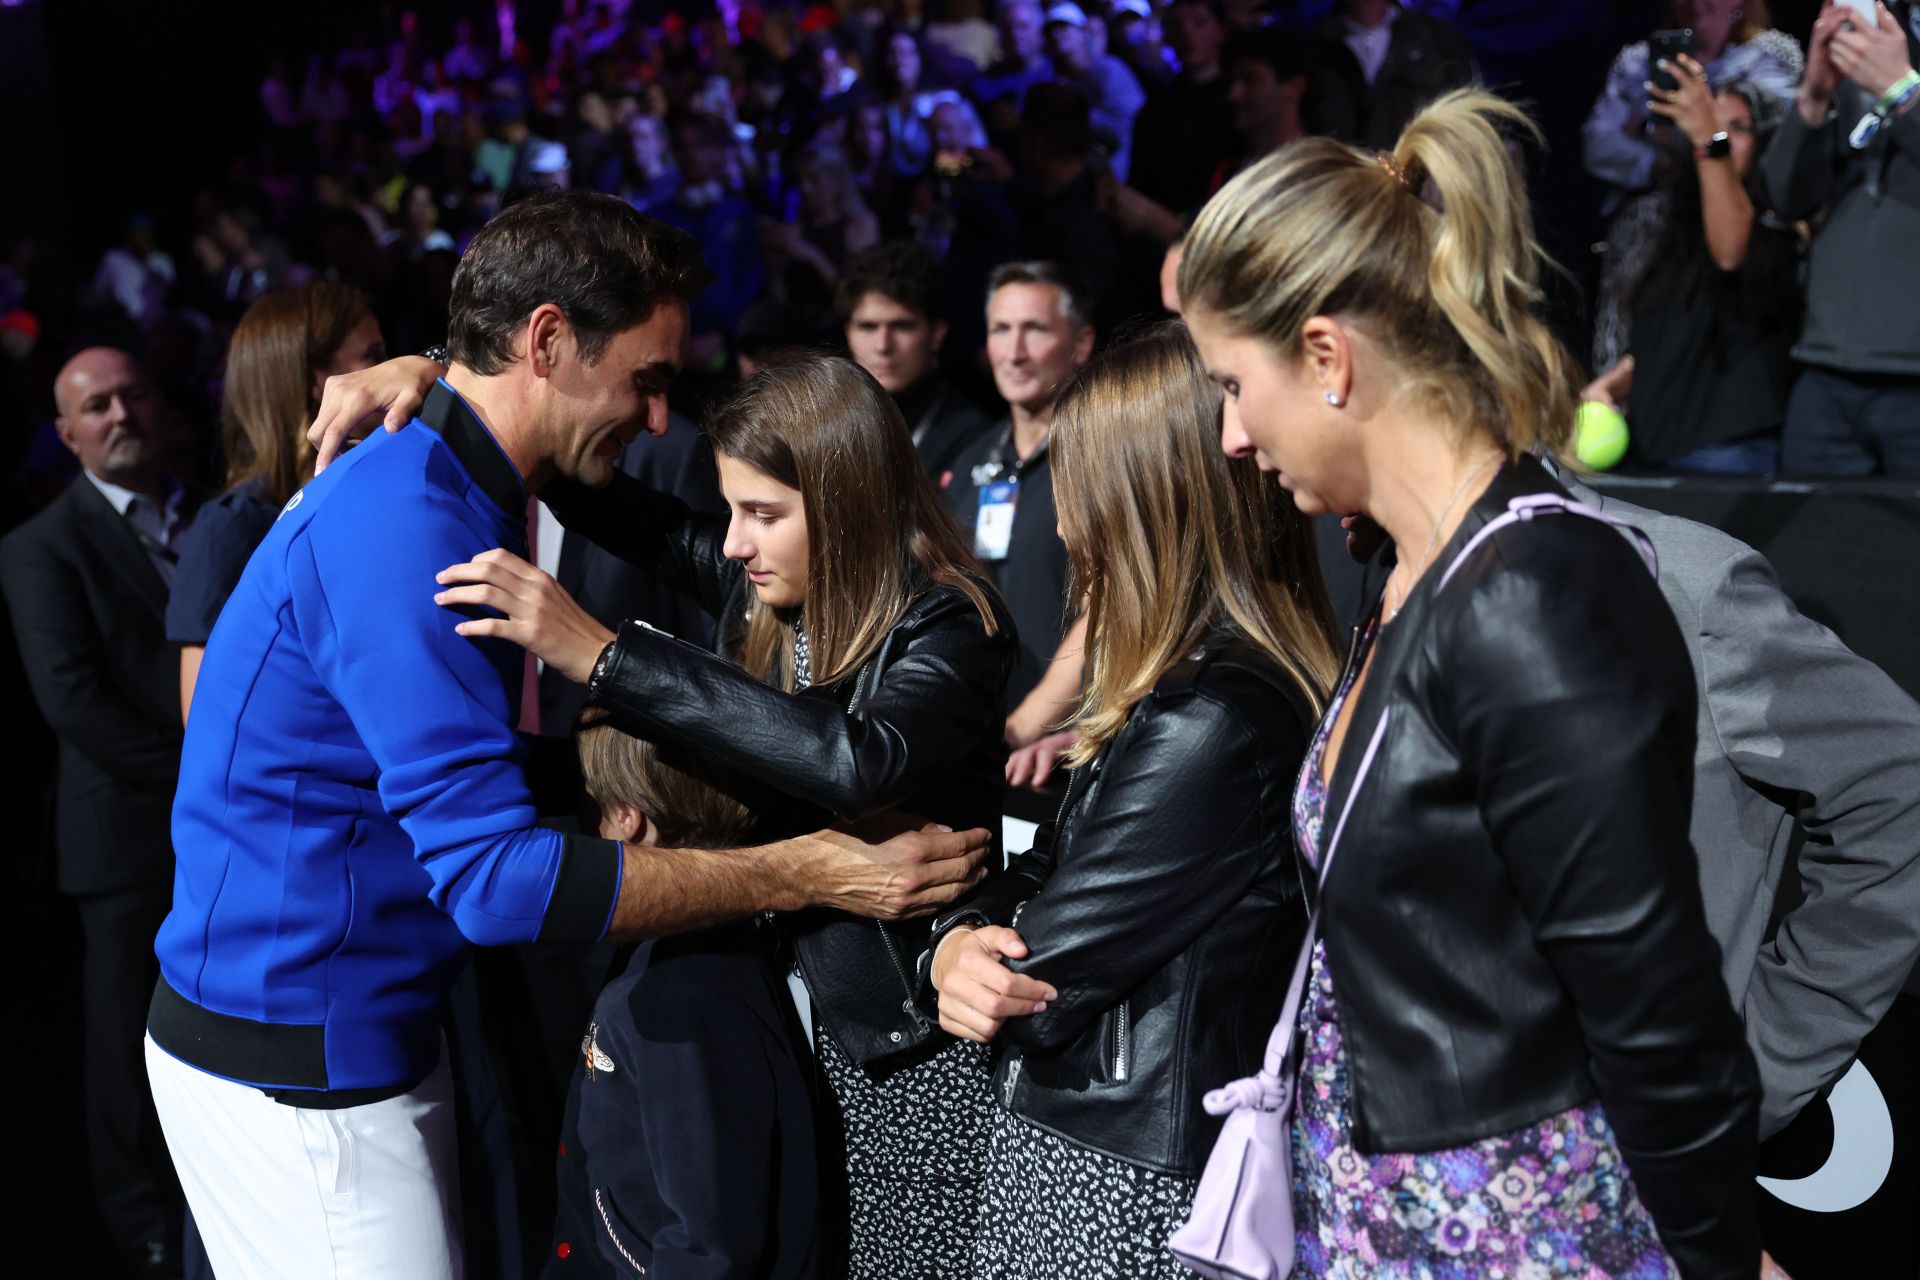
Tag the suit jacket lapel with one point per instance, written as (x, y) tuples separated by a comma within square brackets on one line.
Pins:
[(118, 544)]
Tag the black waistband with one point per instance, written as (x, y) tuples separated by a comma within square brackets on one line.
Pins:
[(285, 1061)]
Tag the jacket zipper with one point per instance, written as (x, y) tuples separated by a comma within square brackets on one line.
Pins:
[(1120, 1043), (907, 1006)]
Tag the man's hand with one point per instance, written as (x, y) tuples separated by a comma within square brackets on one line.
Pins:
[(885, 873), (977, 991), (352, 403), (1873, 57), (1815, 98), (540, 616), (1033, 764)]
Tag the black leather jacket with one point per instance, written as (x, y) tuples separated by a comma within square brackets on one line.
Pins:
[(918, 727), (1513, 919), (1160, 905)]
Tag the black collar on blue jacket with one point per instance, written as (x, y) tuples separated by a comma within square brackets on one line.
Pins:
[(475, 447)]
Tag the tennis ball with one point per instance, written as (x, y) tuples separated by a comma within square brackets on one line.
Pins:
[(1599, 435)]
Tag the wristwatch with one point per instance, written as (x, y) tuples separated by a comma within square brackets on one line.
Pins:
[(1718, 147)]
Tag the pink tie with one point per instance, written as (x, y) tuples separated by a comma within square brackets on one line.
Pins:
[(530, 673)]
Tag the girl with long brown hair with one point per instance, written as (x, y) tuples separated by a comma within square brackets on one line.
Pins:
[(1156, 903), (282, 352), (862, 667)]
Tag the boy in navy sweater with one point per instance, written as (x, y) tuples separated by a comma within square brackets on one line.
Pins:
[(352, 813), (689, 1147)]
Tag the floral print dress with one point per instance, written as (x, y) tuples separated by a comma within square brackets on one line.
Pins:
[(1553, 1200)]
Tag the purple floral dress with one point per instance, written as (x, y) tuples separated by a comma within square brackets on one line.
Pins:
[(1551, 1200)]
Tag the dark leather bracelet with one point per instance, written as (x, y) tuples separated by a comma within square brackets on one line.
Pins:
[(437, 354)]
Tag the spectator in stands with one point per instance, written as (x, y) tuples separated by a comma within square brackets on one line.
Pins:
[(962, 210), (86, 584), (960, 36), (1185, 131), (1269, 75), (804, 258), (283, 350), (469, 60), (596, 151), (419, 232), (1384, 63), (1705, 378), (1000, 488), (905, 100), (1058, 193), (891, 306), (1134, 37), (136, 275), (1001, 91), (1626, 146), (508, 134), (1112, 92), (724, 225), (1856, 408), (651, 177)]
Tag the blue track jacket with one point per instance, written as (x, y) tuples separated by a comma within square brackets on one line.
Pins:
[(351, 810)]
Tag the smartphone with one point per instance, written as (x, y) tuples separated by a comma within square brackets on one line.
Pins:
[(1864, 8), (1668, 45)]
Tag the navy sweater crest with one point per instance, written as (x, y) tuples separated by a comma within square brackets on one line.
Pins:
[(352, 812)]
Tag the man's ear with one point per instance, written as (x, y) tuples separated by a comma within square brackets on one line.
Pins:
[(65, 431), (549, 337), (939, 334)]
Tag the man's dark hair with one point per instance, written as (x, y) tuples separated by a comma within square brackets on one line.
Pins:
[(904, 270), (604, 265), (1288, 54), (1057, 121)]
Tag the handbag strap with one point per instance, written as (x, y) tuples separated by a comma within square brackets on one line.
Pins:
[(1273, 1086)]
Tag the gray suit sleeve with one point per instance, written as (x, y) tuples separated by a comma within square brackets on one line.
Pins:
[(1798, 712)]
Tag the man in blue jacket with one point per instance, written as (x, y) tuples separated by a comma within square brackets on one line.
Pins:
[(352, 812)]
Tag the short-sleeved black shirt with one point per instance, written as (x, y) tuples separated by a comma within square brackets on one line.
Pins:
[(213, 554), (1033, 577)]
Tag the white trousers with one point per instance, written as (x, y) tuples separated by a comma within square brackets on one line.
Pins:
[(290, 1193)]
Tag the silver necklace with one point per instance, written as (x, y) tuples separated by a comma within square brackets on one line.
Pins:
[(1441, 520), (802, 657)]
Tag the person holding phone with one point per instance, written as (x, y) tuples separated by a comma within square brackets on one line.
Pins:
[(1849, 154), (1629, 147)]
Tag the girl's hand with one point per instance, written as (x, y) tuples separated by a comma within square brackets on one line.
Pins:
[(351, 403), (977, 991), (540, 616), (1690, 106)]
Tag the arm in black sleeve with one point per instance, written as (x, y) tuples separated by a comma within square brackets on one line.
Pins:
[(929, 710), (64, 655), (1170, 845), (1800, 167), (651, 530), (1573, 703)]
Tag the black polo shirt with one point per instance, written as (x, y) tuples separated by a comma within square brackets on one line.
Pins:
[(1032, 578)]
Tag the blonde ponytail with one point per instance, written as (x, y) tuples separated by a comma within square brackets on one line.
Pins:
[(1429, 250)]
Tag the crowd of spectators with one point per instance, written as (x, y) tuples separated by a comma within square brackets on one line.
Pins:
[(790, 137)]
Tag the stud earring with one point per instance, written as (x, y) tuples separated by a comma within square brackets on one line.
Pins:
[(1333, 398)]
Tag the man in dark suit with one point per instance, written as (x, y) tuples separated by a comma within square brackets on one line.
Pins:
[(86, 583)]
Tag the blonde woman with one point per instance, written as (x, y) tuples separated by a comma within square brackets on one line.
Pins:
[(1159, 904), (1517, 1054)]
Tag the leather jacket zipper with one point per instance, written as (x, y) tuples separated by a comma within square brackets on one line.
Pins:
[(907, 1006), (1121, 1046)]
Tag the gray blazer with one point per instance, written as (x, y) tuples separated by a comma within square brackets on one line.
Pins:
[(1792, 721)]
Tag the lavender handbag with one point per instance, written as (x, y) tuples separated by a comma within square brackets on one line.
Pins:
[(1241, 1225)]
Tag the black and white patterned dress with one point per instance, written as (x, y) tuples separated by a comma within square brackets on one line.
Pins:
[(916, 1150), (1052, 1210)]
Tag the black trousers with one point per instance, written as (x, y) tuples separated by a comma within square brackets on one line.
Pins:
[(127, 1154)]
